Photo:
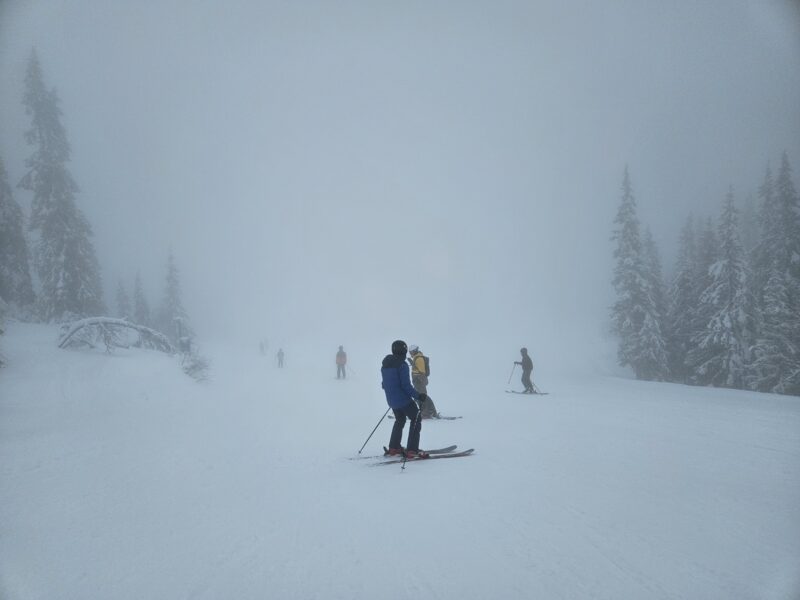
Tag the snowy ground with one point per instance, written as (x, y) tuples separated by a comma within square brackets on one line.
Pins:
[(121, 478)]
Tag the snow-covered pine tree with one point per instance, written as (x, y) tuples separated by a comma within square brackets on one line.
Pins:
[(65, 258), (776, 357), (776, 366), (141, 308), (749, 231), (788, 205), (655, 272), (629, 282), (707, 254), (123, 302), (634, 314), (683, 301), (655, 331), (172, 318), (15, 275), (763, 255), (720, 352)]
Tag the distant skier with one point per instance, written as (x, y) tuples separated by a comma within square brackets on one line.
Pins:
[(341, 361), (280, 358), (420, 371), (527, 369), (400, 396)]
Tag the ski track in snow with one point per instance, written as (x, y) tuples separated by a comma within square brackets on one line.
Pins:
[(122, 478)]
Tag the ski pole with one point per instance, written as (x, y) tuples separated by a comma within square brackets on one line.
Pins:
[(376, 427), (512, 372)]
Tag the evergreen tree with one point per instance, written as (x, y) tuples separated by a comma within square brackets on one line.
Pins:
[(141, 308), (708, 252), (707, 255), (683, 301), (655, 331), (65, 259), (173, 320), (655, 273), (15, 276), (749, 230), (776, 366), (788, 248), (776, 356), (767, 249), (788, 206), (721, 350), (123, 302), (634, 314)]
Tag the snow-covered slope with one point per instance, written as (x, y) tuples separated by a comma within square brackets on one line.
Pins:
[(122, 478)]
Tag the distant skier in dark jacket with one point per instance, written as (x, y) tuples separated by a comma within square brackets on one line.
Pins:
[(527, 369), (400, 396), (341, 361)]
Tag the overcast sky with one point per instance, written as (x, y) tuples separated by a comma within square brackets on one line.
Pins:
[(430, 170)]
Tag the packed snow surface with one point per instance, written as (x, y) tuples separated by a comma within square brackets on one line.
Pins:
[(122, 478)]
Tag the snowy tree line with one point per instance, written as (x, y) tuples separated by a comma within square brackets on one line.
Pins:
[(59, 280), (730, 314)]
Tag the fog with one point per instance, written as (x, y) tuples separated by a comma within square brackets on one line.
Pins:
[(445, 172)]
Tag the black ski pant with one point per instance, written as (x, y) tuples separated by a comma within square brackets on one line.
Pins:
[(340, 372), (526, 381), (410, 412)]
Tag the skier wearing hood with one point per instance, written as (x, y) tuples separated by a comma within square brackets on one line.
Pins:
[(420, 371), (400, 395)]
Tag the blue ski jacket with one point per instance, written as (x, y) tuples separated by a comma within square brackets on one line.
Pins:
[(396, 382)]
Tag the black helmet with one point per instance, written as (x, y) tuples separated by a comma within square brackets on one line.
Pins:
[(399, 348), (523, 350)]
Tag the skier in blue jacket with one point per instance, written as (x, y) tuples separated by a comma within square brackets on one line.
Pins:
[(400, 395)]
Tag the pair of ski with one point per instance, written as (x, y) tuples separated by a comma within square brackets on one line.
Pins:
[(448, 452), (440, 417), (527, 393)]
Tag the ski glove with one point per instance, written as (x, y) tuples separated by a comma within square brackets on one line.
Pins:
[(422, 398)]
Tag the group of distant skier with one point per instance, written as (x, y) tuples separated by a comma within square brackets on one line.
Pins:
[(263, 347), (404, 379), (403, 393)]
